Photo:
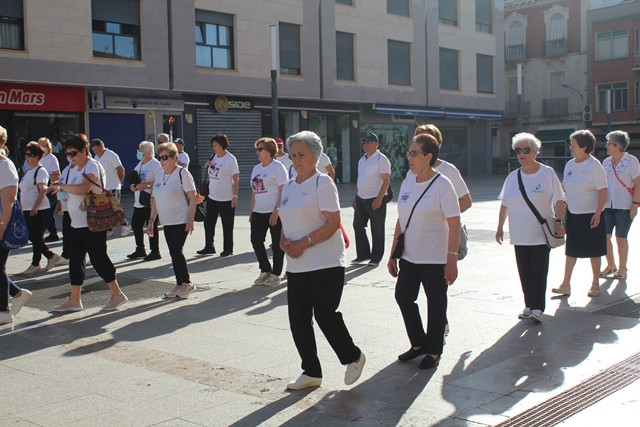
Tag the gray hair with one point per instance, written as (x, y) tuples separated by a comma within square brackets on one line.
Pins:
[(147, 147), (165, 136), (311, 138), (534, 143), (619, 137)]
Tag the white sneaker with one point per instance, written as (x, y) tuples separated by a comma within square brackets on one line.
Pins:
[(18, 302), (262, 278), (52, 262), (526, 313), (185, 290), (536, 315), (32, 269), (304, 381), (354, 370), (126, 229), (272, 280), (63, 261), (6, 317), (173, 292)]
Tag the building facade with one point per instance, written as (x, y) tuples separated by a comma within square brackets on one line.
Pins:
[(126, 70)]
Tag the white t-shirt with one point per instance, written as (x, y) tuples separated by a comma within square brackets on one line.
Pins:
[(146, 171), (286, 161), (628, 169), (323, 162), (265, 183), (8, 175), (581, 183), (64, 180), (29, 192), (544, 190), (301, 213), (79, 217), (184, 159), (450, 171), (427, 240), (170, 196), (370, 172), (110, 161), (50, 163), (220, 173)]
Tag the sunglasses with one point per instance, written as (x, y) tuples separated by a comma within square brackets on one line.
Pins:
[(72, 153), (525, 150), (259, 149), (413, 153), (164, 157), (30, 155)]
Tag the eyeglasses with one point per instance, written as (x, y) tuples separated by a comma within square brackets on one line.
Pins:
[(525, 150), (72, 153), (367, 142), (259, 149), (413, 153), (164, 157), (30, 155)]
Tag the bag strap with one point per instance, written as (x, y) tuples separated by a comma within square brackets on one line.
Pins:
[(613, 166), (95, 183), (526, 199), (416, 204), (35, 174)]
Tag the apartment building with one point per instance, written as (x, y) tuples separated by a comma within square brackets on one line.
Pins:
[(125, 70)]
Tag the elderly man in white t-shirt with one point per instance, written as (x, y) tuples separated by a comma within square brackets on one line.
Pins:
[(183, 157), (113, 169), (370, 203)]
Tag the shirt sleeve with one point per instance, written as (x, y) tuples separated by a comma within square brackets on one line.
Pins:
[(557, 193), (385, 164), (634, 168), (448, 199), (43, 176), (233, 166), (187, 180), (327, 195), (599, 176), (281, 174), (458, 183), (323, 162)]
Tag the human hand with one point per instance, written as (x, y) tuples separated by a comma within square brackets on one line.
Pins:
[(499, 235), (392, 266)]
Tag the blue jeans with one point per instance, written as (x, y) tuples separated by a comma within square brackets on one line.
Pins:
[(620, 219)]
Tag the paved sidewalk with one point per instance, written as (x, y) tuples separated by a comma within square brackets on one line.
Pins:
[(225, 355)]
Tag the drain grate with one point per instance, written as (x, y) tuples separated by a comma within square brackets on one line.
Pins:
[(627, 308), (557, 409)]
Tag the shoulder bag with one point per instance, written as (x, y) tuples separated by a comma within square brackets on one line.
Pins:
[(548, 225), (104, 211), (16, 235), (399, 249)]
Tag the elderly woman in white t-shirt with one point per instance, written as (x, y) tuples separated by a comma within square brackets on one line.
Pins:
[(623, 178), (585, 183), (50, 163), (544, 190), (316, 260), (174, 202), (431, 244), (35, 205)]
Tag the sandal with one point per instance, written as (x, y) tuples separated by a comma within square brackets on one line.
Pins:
[(620, 274), (607, 271)]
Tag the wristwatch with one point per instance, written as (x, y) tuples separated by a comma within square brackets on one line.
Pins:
[(310, 241)]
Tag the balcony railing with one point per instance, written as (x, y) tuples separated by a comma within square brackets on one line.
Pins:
[(552, 106), (636, 61), (512, 108), (554, 47), (636, 112), (516, 53)]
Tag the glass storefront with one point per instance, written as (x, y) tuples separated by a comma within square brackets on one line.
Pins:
[(334, 130)]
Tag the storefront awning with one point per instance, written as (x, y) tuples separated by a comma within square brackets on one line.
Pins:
[(438, 112)]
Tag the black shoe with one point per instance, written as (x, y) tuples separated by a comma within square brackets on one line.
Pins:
[(137, 254), (152, 256), (412, 353), (359, 260), (206, 251), (225, 253), (429, 362), (51, 238)]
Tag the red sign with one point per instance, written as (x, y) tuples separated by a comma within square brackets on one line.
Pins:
[(41, 98)]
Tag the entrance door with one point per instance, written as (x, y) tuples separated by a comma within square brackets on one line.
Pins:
[(334, 131)]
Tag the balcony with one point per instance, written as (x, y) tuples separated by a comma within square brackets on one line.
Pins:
[(554, 47), (511, 108), (636, 61), (636, 112), (554, 106), (516, 53)]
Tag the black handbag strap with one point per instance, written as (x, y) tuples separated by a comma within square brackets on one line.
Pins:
[(95, 183), (416, 204), (526, 199)]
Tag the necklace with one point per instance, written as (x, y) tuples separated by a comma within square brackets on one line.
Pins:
[(166, 177)]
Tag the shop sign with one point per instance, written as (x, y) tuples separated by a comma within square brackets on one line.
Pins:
[(222, 104), (138, 103), (41, 98)]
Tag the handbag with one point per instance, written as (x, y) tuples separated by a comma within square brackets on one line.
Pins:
[(145, 198), (104, 211), (16, 235), (548, 224), (201, 208), (398, 250), (133, 178)]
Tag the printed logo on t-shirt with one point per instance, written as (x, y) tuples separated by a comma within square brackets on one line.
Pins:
[(570, 173), (538, 189), (284, 201), (257, 184), (404, 198), (143, 175), (214, 171)]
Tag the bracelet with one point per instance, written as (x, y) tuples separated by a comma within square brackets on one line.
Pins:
[(235, 196), (635, 203), (454, 253)]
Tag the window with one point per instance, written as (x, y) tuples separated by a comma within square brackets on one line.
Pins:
[(448, 69), (347, 2), (116, 29), (484, 73), (344, 56), (619, 96), (214, 40), (399, 62), (484, 16), (11, 25), (515, 40), (398, 7), (611, 45), (557, 28), (290, 49), (448, 12)]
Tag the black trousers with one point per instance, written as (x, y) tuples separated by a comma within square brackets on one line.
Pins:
[(36, 232), (227, 215), (50, 221), (7, 286), (66, 234), (431, 276), (363, 214), (92, 243), (259, 227), (175, 235), (533, 266), (139, 221), (317, 294)]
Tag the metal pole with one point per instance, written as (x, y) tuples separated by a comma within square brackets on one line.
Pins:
[(608, 110), (274, 83), (519, 92)]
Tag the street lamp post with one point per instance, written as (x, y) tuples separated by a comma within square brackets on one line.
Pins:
[(274, 83), (519, 92)]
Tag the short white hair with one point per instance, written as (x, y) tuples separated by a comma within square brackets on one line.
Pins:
[(311, 138), (147, 147), (165, 136), (534, 143)]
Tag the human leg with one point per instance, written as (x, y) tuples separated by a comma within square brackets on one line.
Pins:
[(278, 253), (137, 223), (35, 224), (176, 236), (539, 270), (360, 220), (259, 227), (66, 234), (227, 215), (407, 288), (378, 217), (210, 221), (435, 288), (300, 308)]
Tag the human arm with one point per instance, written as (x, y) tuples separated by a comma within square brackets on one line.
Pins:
[(502, 217), (331, 172), (602, 200), (377, 202), (392, 265), (152, 218), (42, 191), (236, 184), (8, 197), (296, 248), (465, 202), (560, 209), (120, 172), (273, 219), (253, 204), (192, 196), (54, 176), (636, 197), (453, 245)]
